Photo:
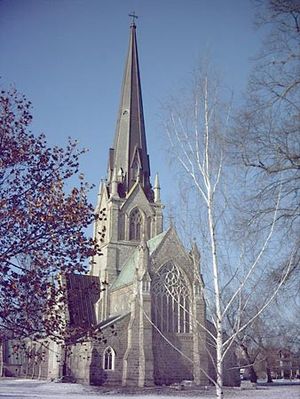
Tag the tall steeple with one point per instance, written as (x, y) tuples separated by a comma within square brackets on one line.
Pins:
[(129, 155)]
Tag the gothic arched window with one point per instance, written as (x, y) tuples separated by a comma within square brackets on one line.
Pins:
[(171, 300), (108, 359), (135, 171), (135, 225)]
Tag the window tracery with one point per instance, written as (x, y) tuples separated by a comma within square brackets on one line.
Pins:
[(135, 225), (171, 300), (108, 359)]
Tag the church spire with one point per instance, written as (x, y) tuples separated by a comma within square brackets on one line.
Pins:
[(129, 153)]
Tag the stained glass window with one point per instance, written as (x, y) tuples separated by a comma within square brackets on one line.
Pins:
[(171, 300)]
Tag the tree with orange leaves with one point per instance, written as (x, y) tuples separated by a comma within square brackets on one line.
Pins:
[(42, 225)]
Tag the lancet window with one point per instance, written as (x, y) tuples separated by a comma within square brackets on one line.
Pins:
[(135, 171), (171, 300), (109, 359), (135, 225)]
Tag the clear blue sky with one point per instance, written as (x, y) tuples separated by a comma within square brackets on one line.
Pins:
[(68, 56)]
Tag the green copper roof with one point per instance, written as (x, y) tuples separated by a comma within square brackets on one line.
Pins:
[(155, 241), (127, 273)]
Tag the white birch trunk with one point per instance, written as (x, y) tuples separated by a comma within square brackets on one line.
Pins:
[(197, 135), (141, 379), (219, 319)]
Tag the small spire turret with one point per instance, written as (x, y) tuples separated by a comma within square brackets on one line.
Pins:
[(156, 189), (195, 255), (114, 184)]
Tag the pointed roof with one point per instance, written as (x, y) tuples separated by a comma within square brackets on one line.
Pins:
[(126, 275), (83, 292), (129, 153)]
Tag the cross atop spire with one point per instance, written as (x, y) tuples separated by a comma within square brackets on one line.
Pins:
[(134, 17)]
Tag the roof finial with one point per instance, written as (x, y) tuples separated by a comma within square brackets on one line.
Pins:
[(171, 217), (134, 17)]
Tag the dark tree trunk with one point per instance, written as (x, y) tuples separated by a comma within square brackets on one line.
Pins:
[(253, 375), (252, 372), (269, 368), (269, 376)]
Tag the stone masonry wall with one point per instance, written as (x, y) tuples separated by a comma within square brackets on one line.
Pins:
[(119, 303), (169, 365), (86, 362)]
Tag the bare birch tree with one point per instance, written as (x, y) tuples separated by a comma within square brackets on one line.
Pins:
[(197, 127)]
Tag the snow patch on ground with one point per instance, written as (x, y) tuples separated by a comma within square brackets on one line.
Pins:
[(34, 389)]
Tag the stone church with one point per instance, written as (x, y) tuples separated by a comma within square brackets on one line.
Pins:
[(154, 294), (152, 313)]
